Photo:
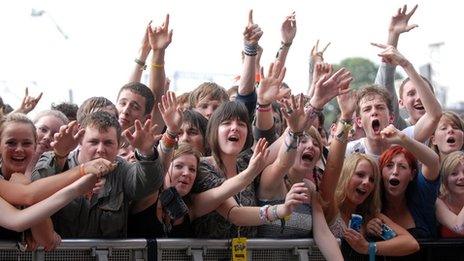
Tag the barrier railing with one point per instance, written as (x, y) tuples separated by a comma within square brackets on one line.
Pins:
[(199, 250)]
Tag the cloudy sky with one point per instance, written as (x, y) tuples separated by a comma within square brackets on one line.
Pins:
[(104, 36)]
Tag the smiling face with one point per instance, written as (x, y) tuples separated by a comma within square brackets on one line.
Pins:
[(361, 183), (455, 181), (131, 107), (374, 115), (17, 146), (182, 173), (410, 101), (46, 127), (396, 175), (232, 135), (448, 137)]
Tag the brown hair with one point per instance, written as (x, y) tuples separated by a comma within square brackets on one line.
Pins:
[(94, 104), (17, 117), (403, 83), (455, 119), (208, 89), (102, 121), (370, 91)]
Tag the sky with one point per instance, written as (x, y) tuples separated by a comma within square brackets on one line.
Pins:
[(103, 38)]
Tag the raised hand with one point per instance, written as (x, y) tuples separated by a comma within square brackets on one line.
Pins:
[(67, 139), (294, 114), (171, 112), (356, 241), (259, 158), (160, 37), (99, 167), (399, 22), (143, 138), (28, 103), (392, 135), (327, 88), (252, 32), (391, 55), (270, 87), (288, 29), (316, 55), (347, 104)]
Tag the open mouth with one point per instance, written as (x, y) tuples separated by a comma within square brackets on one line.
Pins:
[(394, 182), (18, 159), (233, 138), (307, 156), (361, 192), (376, 126), (451, 140), (419, 107)]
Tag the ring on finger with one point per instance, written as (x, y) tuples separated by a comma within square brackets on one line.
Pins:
[(289, 111)]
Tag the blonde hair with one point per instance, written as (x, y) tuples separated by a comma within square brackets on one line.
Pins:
[(371, 206), (449, 163)]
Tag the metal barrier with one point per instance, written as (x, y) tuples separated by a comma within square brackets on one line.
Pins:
[(81, 250), (258, 249), (199, 250)]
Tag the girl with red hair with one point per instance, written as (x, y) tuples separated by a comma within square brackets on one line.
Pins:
[(409, 190)]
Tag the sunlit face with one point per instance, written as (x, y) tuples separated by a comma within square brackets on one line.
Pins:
[(192, 135), (455, 181), (17, 146), (411, 102), (127, 153), (46, 127), (361, 183), (131, 107), (374, 115), (448, 137), (207, 106), (182, 173), (98, 144), (232, 135), (396, 175), (308, 153)]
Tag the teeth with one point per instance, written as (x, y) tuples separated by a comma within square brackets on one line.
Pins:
[(376, 125)]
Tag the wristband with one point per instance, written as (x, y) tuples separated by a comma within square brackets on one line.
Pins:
[(154, 65), (141, 63), (286, 44), (250, 49), (372, 250), (263, 214)]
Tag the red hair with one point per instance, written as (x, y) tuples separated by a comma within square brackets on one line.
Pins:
[(388, 155)]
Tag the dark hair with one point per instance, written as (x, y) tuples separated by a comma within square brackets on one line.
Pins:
[(227, 111), (197, 120), (92, 105), (102, 121), (68, 109), (142, 90)]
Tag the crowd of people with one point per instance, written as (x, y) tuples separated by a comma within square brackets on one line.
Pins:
[(251, 161)]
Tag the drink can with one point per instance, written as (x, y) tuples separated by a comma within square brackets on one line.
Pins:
[(387, 232), (355, 222)]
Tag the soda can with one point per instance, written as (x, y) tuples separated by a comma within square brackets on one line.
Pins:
[(355, 222), (387, 232)]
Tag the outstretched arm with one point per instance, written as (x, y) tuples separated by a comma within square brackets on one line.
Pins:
[(427, 124), (28, 103), (141, 59), (288, 32), (347, 104), (29, 194), (251, 36), (429, 159), (386, 72), (20, 220), (315, 58), (159, 39)]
